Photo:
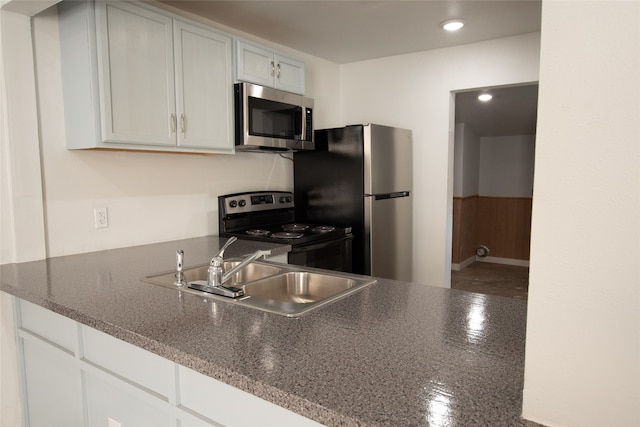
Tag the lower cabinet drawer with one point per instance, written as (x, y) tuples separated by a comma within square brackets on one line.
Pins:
[(231, 406), (51, 326), (138, 366)]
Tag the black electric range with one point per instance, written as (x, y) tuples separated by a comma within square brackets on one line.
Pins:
[(269, 216)]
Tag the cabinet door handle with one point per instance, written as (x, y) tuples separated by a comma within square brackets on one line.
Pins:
[(273, 68), (172, 123), (183, 123), (278, 73)]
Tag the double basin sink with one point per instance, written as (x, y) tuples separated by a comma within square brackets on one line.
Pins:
[(283, 289)]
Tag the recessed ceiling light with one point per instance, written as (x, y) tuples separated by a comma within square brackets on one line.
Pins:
[(452, 24), (484, 97)]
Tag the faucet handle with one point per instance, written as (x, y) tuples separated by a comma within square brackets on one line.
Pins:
[(220, 253), (179, 260), (180, 281)]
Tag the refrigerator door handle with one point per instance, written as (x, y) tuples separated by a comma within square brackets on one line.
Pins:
[(392, 195)]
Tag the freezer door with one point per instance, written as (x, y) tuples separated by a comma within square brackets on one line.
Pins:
[(388, 243), (387, 160)]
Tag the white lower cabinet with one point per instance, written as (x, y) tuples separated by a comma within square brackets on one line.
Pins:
[(52, 390), (112, 399), (84, 377)]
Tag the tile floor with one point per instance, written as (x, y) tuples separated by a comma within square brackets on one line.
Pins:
[(494, 279)]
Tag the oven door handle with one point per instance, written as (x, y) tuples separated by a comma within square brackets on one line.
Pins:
[(320, 245)]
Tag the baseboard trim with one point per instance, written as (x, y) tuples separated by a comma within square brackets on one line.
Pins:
[(506, 261), (464, 264), (490, 259)]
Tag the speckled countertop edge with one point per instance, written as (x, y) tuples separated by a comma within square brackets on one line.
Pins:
[(247, 380)]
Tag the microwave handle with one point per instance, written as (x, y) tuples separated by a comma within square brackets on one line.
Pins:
[(300, 128)]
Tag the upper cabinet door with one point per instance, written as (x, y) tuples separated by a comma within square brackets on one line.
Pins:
[(255, 64), (135, 68), (289, 74), (204, 87)]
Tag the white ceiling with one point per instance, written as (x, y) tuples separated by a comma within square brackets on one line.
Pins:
[(344, 31), (511, 111)]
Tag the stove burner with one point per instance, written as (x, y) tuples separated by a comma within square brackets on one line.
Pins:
[(295, 227), (287, 235), (323, 229), (258, 232)]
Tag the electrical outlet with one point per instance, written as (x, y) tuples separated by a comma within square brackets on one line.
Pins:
[(100, 217)]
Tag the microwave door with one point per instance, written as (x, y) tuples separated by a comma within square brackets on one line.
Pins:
[(271, 119)]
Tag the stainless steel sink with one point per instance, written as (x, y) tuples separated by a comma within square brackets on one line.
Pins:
[(253, 271), (283, 289), (297, 292), (299, 287)]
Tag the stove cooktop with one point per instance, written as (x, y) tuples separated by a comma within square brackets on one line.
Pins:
[(292, 233), (268, 216)]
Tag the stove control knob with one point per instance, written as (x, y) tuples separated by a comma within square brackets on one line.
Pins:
[(289, 199), (242, 203), (282, 199), (233, 204)]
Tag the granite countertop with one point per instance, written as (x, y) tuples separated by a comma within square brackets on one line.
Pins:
[(394, 353)]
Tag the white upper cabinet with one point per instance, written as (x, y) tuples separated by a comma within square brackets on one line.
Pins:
[(259, 65), (204, 87), (142, 79), (135, 69)]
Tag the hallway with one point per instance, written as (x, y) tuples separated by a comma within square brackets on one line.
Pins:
[(494, 279)]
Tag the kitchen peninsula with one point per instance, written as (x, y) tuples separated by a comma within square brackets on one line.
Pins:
[(394, 353)]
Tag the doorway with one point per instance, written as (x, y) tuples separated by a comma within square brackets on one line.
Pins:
[(494, 146)]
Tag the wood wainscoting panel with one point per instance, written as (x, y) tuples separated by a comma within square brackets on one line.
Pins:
[(464, 234), (455, 232), (468, 228), (504, 226)]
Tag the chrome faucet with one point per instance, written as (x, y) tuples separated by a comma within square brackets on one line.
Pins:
[(216, 277)]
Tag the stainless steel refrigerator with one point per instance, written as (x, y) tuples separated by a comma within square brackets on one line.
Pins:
[(361, 177)]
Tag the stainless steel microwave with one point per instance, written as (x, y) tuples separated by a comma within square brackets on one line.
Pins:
[(270, 119)]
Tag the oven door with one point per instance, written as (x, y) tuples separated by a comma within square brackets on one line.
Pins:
[(331, 255)]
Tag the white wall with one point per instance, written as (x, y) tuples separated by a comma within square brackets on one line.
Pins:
[(149, 197), (466, 164), (499, 166), (414, 91), (582, 365), (22, 234), (506, 166)]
